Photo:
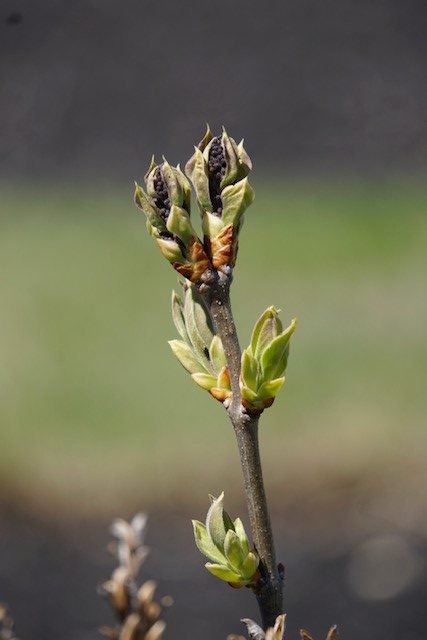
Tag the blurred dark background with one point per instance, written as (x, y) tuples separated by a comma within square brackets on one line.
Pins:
[(97, 85), (97, 420)]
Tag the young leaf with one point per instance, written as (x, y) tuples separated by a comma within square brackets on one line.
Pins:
[(178, 317), (179, 224), (218, 521), (204, 380), (204, 543), (250, 565), (250, 370), (223, 572), (270, 389), (198, 327), (269, 314), (274, 357), (233, 550), (217, 355), (240, 530), (236, 199), (186, 357)]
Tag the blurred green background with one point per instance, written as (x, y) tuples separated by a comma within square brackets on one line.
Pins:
[(97, 418), (96, 412)]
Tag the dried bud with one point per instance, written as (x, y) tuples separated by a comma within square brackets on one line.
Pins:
[(7, 626), (200, 351), (332, 634), (257, 633), (218, 170), (225, 543), (135, 607), (264, 361), (166, 203)]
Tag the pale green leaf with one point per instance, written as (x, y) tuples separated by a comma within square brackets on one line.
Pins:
[(186, 357), (223, 572), (267, 317), (215, 522), (249, 566), (233, 550), (178, 317), (179, 224), (211, 225), (248, 394), (240, 530), (217, 355), (231, 154), (196, 170), (205, 544), (275, 356), (249, 371), (236, 199), (270, 389), (204, 380), (198, 325)]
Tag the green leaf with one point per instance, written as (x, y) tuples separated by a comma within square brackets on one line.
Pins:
[(275, 355), (240, 531), (211, 225), (196, 170), (270, 389), (233, 550), (236, 199), (185, 186), (228, 523), (223, 572), (270, 330), (217, 355), (198, 325), (179, 224), (173, 186), (249, 370), (205, 544), (248, 394), (215, 522), (186, 357), (171, 250), (250, 565), (144, 203), (262, 326), (231, 154), (206, 139), (204, 380), (244, 159), (178, 317)]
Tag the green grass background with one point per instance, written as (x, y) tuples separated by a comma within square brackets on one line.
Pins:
[(96, 414)]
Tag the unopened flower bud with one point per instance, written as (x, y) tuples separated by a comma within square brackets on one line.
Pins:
[(218, 170), (166, 203)]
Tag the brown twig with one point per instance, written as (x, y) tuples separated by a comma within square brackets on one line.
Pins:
[(269, 591)]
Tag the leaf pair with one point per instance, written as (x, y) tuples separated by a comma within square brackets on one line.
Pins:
[(264, 361), (226, 545), (200, 351)]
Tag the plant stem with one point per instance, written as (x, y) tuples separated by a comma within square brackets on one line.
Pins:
[(269, 594)]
